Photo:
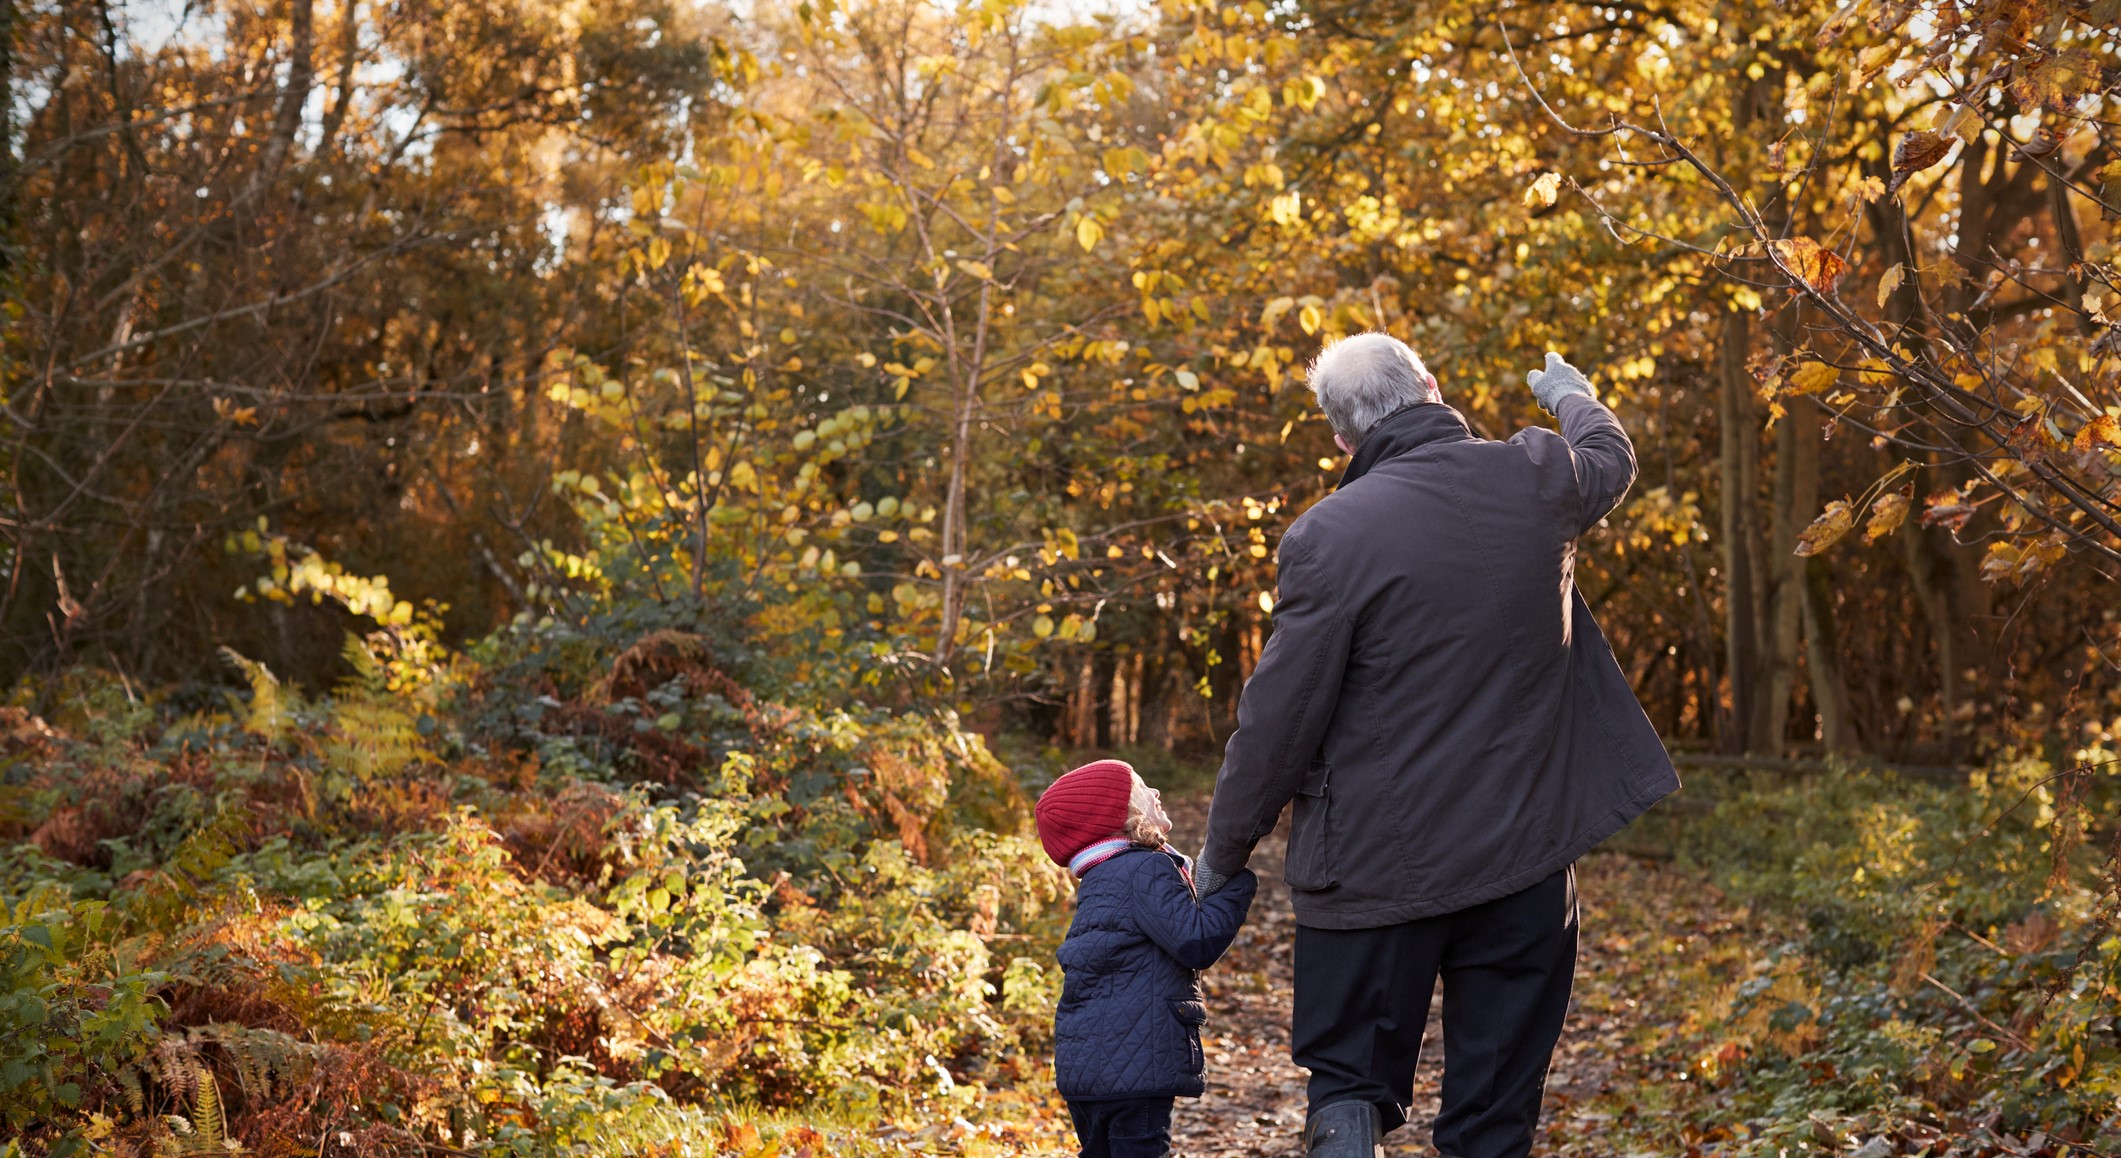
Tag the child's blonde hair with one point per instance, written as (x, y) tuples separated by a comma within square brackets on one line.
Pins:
[(1140, 829)]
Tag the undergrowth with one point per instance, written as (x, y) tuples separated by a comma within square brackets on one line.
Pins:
[(620, 887), (1937, 969)]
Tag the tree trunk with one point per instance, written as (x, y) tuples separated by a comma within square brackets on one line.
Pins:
[(1796, 493), (1930, 573), (301, 75), (1822, 658), (953, 537), (1740, 461)]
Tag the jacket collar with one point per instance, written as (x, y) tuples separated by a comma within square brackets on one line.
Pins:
[(1414, 425)]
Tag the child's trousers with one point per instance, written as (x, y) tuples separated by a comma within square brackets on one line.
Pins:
[(1133, 1128)]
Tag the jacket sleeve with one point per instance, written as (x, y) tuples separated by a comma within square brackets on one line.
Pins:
[(1284, 709), (1195, 933), (1604, 458)]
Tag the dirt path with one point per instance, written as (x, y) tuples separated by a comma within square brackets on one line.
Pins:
[(1641, 921)]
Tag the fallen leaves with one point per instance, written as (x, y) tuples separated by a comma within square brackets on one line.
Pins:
[(1647, 927)]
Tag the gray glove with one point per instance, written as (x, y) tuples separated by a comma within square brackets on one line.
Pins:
[(1207, 881), (1557, 380)]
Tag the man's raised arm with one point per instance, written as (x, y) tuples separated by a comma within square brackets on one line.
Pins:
[(1604, 458), (1281, 715)]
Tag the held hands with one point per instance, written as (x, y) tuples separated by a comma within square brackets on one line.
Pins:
[(1556, 380), (1207, 881)]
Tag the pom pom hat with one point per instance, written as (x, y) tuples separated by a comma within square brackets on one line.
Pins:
[(1085, 806)]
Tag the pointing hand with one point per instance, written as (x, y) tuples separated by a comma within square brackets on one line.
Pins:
[(1557, 379)]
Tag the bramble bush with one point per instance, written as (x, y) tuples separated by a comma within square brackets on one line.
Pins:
[(613, 886), (1952, 977)]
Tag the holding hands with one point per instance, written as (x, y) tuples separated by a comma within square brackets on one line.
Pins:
[(1556, 380)]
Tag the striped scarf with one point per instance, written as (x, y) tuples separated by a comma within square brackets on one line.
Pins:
[(1081, 863)]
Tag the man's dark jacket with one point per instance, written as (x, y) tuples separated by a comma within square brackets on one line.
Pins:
[(1128, 1023), (1435, 696)]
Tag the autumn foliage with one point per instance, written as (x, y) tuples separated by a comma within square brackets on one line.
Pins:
[(526, 526)]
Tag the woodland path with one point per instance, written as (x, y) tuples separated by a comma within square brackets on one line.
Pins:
[(1640, 921)]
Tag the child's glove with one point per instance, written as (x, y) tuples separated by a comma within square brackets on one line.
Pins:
[(1557, 380)]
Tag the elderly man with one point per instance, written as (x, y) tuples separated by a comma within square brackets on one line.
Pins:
[(1454, 731)]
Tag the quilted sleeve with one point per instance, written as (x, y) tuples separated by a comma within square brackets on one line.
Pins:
[(1194, 933)]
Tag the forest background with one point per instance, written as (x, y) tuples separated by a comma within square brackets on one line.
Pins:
[(547, 546)]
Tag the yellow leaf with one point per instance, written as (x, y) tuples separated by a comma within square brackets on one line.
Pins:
[(1311, 318), (919, 158), (1890, 282), (1827, 529), (1088, 232), (978, 269), (1266, 602), (1886, 515), (1003, 195), (1813, 377), (1274, 311), (1042, 626), (1543, 191), (1188, 379)]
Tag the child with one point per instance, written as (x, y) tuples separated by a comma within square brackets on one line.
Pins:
[(1127, 1032)]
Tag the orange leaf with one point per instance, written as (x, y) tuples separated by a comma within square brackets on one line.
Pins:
[(1814, 265), (2101, 429)]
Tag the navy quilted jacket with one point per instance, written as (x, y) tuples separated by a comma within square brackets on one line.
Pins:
[(1130, 1013)]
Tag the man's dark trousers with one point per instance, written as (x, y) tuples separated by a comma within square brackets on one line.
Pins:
[(1362, 998)]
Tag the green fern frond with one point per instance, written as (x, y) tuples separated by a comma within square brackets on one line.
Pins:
[(372, 737), (272, 705), (368, 670), (135, 1094), (206, 1112), (373, 731), (264, 1059)]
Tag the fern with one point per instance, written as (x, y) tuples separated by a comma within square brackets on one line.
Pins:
[(135, 1096), (372, 733), (272, 705), (266, 1061), (204, 1131), (206, 1112)]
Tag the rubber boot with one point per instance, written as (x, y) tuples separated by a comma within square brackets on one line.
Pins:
[(1345, 1130)]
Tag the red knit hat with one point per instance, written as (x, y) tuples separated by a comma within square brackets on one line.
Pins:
[(1085, 806)]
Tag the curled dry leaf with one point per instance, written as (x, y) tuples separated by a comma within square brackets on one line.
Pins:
[(1890, 282), (2103, 429), (1827, 529), (1808, 261), (1543, 191), (1947, 509), (1915, 152), (1887, 514)]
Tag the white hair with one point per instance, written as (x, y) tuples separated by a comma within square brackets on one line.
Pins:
[(1361, 379)]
